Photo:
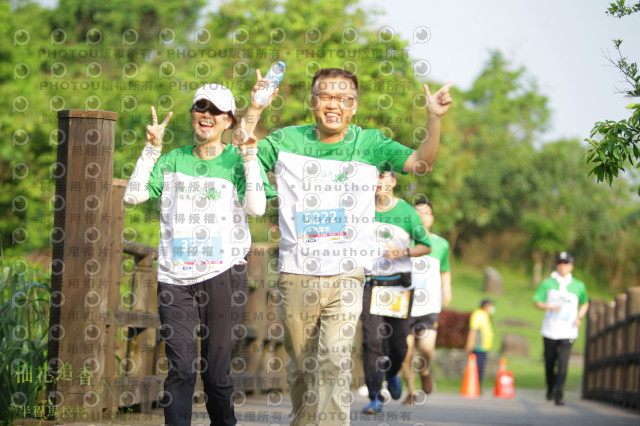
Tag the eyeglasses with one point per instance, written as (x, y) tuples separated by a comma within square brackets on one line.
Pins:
[(345, 101), (203, 106)]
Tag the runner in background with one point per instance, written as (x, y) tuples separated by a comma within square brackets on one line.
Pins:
[(431, 281), (387, 299)]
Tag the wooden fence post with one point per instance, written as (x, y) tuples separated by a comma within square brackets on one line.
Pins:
[(620, 345), (632, 376), (80, 268), (109, 401)]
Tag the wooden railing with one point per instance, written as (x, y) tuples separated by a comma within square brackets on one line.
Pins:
[(612, 350)]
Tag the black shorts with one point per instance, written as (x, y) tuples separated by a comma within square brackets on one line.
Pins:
[(418, 325)]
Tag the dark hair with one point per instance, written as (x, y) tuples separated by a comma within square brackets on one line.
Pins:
[(334, 73), (423, 200), (234, 122)]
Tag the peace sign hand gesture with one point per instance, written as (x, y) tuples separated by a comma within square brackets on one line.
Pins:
[(155, 131), (261, 83)]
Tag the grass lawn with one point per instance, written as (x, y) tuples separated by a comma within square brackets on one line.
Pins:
[(514, 306)]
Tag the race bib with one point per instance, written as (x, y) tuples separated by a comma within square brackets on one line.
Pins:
[(390, 301), (198, 251), (320, 225)]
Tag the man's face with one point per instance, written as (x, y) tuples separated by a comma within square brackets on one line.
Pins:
[(386, 183), (564, 268), (426, 215), (334, 103)]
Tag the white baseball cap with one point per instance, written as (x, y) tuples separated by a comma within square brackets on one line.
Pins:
[(218, 95)]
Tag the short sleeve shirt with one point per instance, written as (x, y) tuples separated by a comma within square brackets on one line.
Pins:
[(560, 325), (425, 278), (326, 196), (400, 227), (480, 321), (204, 228)]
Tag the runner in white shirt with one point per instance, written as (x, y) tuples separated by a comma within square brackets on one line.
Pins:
[(326, 180), (565, 302), (206, 190)]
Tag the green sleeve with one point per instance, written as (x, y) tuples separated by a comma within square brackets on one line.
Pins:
[(156, 180), (583, 295), (269, 191), (240, 181), (541, 293), (268, 149), (237, 173), (444, 258), (418, 233), (390, 155)]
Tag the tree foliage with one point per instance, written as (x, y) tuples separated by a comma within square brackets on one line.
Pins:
[(614, 145), (491, 182)]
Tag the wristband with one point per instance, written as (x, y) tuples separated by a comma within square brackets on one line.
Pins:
[(408, 252)]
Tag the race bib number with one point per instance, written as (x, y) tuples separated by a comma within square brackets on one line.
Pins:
[(564, 314), (320, 225), (390, 301), (204, 252), (566, 311)]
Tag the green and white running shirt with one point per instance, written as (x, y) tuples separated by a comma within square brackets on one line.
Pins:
[(326, 196), (568, 293), (203, 225), (400, 227), (426, 280)]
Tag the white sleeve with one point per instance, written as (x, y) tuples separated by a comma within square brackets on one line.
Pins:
[(255, 201), (137, 191)]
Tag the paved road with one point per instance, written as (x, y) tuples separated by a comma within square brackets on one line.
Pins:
[(527, 408)]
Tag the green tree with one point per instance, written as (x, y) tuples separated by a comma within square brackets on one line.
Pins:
[(127, 55), (614, 145), (496, 123)]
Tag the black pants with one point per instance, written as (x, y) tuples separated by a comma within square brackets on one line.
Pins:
[(212, 308), (384, 345), (556, 355), (481, 361)]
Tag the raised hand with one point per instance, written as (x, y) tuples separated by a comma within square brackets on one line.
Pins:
[(260, 83), (439, 102), (155, 131)]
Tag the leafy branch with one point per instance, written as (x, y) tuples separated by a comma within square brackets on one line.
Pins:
[(620, 9), (628, 69), (618, 141), (618, 146)]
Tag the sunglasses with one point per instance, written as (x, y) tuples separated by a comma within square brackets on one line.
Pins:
[(203, 106)]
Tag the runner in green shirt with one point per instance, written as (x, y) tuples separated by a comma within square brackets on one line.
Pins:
[(325, 175), (206, 191)]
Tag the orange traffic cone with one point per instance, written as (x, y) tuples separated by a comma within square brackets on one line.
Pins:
[(505, 385), (470, 383)]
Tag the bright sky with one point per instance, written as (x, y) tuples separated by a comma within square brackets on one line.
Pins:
[(559, 42)]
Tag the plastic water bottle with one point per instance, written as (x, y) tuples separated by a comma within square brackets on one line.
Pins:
[(273, 77)]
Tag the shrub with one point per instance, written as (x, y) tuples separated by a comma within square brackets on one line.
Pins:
[(24, 325)]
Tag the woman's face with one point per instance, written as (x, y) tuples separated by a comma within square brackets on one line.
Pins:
[(208, 121)]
